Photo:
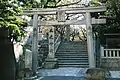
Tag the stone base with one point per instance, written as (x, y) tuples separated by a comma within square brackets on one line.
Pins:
[(97, 74), (110, 63), (26, 72), (51, 63)]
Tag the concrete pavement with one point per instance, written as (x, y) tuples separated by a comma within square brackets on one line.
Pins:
[(65, 74), (60, 78), (77, 72)]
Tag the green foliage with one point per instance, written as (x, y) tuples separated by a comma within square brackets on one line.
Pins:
[(27, 4), (40, 3), (95, 3), (113, 10), (113, 20), (112, 13), (9, 18), (49, 3)]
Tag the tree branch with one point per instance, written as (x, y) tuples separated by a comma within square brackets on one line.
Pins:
[(64, 4), (58, 1), (69, 4)]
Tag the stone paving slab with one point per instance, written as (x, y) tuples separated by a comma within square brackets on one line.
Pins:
[(115, 74), (67, 78), (78, 72), (60, 78), (68, 74)]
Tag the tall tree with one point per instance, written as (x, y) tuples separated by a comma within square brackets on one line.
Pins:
[(10, 29), (113, 19)]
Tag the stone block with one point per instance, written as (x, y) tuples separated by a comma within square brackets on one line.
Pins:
[(97, 74), (26, 72), (51, 63)]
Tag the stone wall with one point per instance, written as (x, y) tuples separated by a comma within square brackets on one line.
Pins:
[(110, 63), (42, 52)]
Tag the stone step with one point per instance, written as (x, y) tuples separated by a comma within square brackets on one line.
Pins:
[(70, 46), (73, 61), (59, 55), (69, 43), (70, 50), (74, 43), (63, 45), (72, 53), (73, 58), (78, 66), (77, 49), (73, 48), (70, 56)]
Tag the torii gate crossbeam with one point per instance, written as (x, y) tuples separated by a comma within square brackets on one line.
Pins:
[(69, 22), (52, 11)]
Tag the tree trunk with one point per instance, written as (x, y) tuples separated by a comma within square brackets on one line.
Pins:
[(7, 57)]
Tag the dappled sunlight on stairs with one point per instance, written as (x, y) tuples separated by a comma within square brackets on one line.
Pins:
[(72, 54)]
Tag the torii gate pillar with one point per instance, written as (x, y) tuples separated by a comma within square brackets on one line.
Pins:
[(68, 32), (51, 54), (90, 41), (35, 43)]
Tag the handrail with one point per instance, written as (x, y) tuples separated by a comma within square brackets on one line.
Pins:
[(112, 49), (57, 43), (57, 39)]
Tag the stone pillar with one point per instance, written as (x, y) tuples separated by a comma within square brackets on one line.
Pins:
[(28, 58), (51, 43), (61, 18), (68, 32), (51, 61), (35, 43), (90, 41)]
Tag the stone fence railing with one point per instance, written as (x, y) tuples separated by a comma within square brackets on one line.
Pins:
[(110, 53), (110, 59)]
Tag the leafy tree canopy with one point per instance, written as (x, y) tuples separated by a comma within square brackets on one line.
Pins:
[(9, 18), (39, 3), (113, 11)]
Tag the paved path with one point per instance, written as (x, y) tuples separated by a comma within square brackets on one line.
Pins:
[(66, 78), (61, 74), (78, 72), (67, 74), (60, 78)]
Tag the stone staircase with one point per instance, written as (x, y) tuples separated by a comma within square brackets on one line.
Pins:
[(72, 54)]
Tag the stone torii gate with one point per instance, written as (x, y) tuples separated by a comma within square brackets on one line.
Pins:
[(61, 21)]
